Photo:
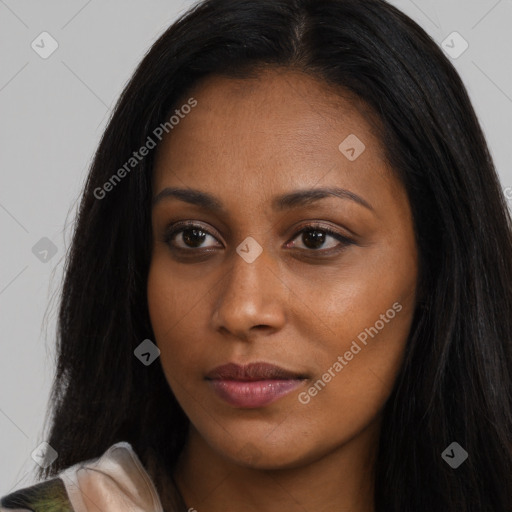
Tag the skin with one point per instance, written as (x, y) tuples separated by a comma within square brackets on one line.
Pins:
[(245, 142)]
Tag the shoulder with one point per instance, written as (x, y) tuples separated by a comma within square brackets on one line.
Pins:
[(47, 496), (116, 480)]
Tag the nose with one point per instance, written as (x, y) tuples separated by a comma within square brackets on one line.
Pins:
[(250, 298)]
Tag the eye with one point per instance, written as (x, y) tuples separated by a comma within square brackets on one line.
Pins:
[(314, 237), (187, 236), (191, 236)]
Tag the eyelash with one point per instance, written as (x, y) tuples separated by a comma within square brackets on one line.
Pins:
[(180, 227)]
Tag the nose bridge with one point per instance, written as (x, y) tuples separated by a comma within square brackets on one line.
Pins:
[(248, 276), (250, 293)]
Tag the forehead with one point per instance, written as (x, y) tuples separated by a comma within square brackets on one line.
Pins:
[(279, 126)]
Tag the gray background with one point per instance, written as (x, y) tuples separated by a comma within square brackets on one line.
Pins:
[(53, 112)]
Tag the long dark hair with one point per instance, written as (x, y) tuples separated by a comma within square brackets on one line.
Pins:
[(455, 384)]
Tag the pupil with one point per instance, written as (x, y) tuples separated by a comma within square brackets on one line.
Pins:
[(190, 240), (313, 239)]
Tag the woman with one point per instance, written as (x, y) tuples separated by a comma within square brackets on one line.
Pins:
[(290, 284)]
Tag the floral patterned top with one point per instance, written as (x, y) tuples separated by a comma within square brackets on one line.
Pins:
[(114, 482)]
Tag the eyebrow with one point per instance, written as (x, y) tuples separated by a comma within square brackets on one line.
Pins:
[(283, 202)]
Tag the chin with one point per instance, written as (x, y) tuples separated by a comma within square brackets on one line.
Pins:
[(265, 454)]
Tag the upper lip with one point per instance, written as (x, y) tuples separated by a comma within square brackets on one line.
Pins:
[(251, 372)]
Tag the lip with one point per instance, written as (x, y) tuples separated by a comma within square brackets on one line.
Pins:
[(253, 385)]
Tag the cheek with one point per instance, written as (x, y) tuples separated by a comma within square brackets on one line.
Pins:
[(358, 297), (168, 306), (161, 300), (176, 308), (358, 370), (362, 321), (365, 362)]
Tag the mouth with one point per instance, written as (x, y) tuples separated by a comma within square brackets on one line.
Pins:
[(253, 385)]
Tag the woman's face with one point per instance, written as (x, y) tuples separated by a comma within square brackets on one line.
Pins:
[(321, 285)]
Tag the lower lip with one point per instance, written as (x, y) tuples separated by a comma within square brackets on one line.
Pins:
[(253, 394)]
